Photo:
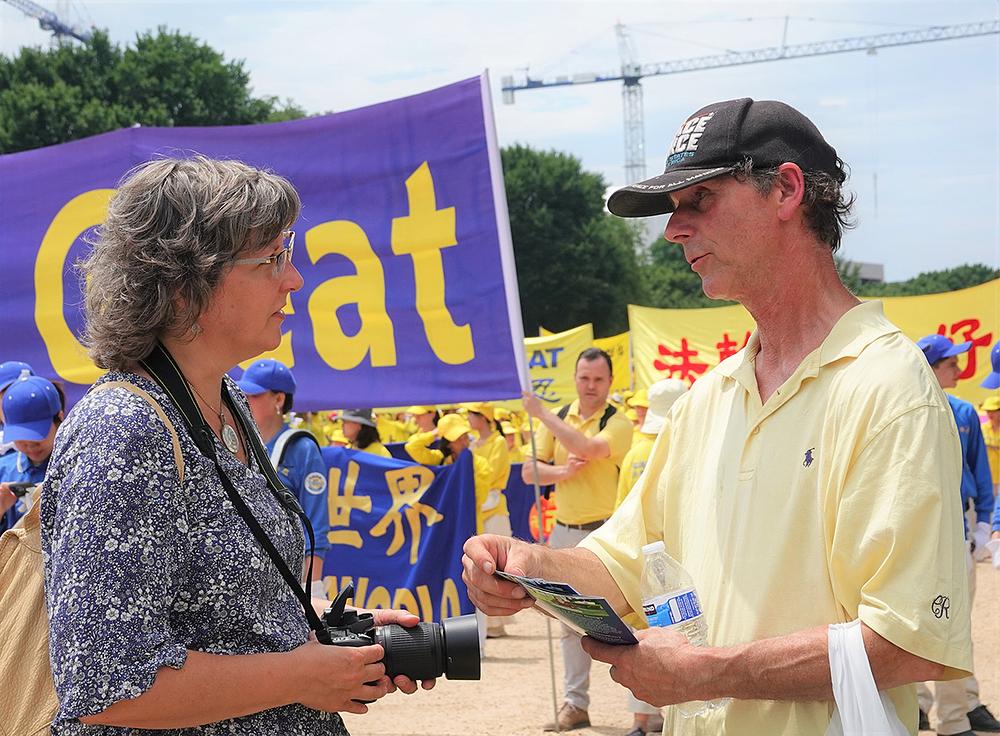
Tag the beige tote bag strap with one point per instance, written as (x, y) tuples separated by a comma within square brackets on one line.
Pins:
[(178, 457)]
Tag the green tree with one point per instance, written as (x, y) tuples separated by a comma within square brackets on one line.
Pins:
[(50, 96), (575, 262), (933, 282)]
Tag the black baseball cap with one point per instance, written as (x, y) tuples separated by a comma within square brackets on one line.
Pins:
[(716, 139)]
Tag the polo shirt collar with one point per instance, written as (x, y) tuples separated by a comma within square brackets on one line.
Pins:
[(574, 409), (854, 331)]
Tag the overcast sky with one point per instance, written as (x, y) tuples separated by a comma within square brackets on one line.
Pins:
[(918, 125)]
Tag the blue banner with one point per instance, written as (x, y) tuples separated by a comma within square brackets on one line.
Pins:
[(397, 530), (410, 293)]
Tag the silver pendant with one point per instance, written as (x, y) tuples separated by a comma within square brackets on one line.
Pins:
[(229, 439)]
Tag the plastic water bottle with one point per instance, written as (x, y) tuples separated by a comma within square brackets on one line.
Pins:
[(669, 600)]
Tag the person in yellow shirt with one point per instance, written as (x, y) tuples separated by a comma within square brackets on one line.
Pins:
[(359, 428), (515, 447), (991, 433), (810, 479), (638, 405), (389, 428), (586, 442), (443, 445), (491, 446), (660, 397), (425, 418)]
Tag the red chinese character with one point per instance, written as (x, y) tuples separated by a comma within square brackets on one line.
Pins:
[(728, 346), (965, 331), (688, 369)]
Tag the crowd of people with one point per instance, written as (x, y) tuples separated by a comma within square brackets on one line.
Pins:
[(819, 476)]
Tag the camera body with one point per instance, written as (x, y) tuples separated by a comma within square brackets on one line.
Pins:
[(420, 652)]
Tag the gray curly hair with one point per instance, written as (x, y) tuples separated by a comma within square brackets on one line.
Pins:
[(172, 232)]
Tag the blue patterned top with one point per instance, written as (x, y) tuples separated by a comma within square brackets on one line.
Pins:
[(140, 568)]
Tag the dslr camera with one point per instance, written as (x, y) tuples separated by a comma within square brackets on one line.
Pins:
[(421, 652)]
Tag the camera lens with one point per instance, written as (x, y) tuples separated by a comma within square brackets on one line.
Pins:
[(430, 650)]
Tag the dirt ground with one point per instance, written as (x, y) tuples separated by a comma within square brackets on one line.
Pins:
[(514, 696)]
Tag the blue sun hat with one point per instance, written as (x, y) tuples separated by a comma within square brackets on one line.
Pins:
[(993, 379), (11, 370), (938, 347), (29, 406), (267, 375)]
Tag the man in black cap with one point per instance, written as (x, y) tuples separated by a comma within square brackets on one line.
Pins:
[(808, 480)]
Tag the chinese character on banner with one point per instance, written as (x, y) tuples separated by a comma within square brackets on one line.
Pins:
[(686, 367), (341, 506), (407, 486), (965, 331), (542, 388), (727, 346)]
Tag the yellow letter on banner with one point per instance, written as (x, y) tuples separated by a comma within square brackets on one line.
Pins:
[(69, 359), (421, 235), (366, 288)]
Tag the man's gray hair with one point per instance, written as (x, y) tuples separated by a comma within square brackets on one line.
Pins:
[(827, 210), (172, 231)]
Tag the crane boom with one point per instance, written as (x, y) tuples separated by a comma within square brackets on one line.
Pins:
[(631, 73), (49, 21), (758, 56)]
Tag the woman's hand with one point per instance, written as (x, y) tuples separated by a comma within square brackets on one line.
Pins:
[(334, 679), (7, 498), (385, 616)]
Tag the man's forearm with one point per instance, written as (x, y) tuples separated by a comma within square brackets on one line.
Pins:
[(582, 569), (547, 474), (797, 667), (575, 441)]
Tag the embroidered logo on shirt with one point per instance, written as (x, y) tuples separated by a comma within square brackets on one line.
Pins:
[(940, 606), (808, 460)]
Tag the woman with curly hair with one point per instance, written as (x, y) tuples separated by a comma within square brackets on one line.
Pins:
[(165, 612)]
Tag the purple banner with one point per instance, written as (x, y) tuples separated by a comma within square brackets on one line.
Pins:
[(403, 243)]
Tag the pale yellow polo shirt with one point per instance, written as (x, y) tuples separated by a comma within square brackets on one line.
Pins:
[(590, 494), (835, 500)]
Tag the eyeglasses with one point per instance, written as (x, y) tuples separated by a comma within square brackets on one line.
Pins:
[(279, 260)]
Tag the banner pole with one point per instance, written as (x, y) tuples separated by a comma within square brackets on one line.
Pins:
[(542, 539)]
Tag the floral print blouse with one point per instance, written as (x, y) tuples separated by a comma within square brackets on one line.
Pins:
[(140, 568)]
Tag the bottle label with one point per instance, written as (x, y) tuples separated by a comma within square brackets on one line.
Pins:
[(673, 608)]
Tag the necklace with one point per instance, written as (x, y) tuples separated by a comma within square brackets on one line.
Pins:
[(229, 437)]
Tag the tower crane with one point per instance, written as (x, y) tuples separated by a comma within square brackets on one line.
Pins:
[(49, 21), (630, 73)]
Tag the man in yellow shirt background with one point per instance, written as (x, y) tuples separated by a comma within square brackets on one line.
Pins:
[(585, 448)]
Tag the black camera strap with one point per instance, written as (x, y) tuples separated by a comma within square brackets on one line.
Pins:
[(161, 366)]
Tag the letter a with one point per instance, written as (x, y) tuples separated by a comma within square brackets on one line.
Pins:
[(366, 288)]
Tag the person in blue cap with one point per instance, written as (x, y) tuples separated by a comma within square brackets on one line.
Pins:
[(33, 409), (959, 710), (270, 386), (9, 371)]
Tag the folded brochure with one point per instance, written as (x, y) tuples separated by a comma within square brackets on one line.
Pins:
[(585, 614)]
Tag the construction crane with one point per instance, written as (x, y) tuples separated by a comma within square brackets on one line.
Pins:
[(49, 21), (631, 73)]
